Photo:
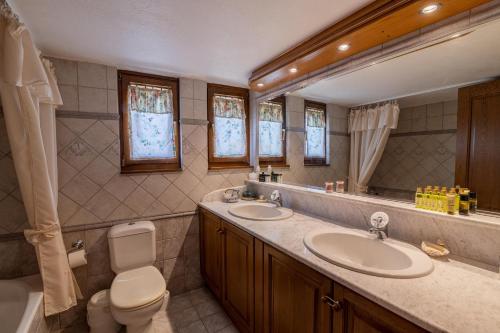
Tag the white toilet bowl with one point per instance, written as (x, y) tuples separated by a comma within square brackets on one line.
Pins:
[(136, 296)]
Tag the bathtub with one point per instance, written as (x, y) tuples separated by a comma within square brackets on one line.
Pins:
[(21, 306)]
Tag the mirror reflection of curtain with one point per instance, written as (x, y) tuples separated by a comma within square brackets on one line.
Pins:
[(29, 96), (369, 129), (270, 129), (229, 126)]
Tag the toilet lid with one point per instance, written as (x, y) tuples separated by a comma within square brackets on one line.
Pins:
[(137, 287)]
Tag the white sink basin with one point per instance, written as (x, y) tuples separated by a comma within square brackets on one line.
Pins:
[(261, 212), (362, 252)]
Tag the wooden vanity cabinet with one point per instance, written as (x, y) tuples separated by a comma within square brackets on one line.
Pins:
[(360, 315), (227, 264), (266, 291), (211, 251), (292, 295)]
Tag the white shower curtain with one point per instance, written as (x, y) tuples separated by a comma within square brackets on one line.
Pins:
[(370, 129), (29, 96)]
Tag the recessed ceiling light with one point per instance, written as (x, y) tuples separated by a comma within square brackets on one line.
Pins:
[(343, 47), (430, 8), (260, 85), (293, 70)]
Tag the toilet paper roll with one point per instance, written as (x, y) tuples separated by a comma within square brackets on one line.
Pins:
[(77, 258)]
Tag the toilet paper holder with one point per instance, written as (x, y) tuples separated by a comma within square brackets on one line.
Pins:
[(76, 245)]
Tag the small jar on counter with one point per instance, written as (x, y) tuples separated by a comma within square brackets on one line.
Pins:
[(340, 186), (329, 187)]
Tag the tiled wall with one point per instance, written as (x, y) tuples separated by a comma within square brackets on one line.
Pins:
[(93, 194), (420, 152), (338, 146)]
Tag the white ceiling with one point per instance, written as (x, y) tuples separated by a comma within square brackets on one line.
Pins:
[(415, 77), (216, 40)]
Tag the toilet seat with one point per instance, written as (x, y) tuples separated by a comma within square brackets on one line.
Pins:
[(137, 288)]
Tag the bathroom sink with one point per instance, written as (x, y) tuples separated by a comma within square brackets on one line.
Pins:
[(261, 212), (362, 252)]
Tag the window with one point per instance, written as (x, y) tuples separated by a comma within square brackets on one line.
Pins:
[(272, 132), (315, 128), (228, 132), (149, 123)]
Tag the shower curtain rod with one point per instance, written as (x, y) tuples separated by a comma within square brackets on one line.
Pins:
[(366, 106)]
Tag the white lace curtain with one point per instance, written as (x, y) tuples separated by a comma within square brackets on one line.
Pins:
[(369, 129), (29, 96)]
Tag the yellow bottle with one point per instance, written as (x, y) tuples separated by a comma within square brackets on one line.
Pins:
[(457, 197), (426, 204), (419, 198), (444, 200), (436, 200), (451, 199)]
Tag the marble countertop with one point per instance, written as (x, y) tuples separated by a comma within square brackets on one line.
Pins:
[(455, 297)]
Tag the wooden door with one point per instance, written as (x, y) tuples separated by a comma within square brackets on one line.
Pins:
[(359, 315), (211, 251), (292, 296), (238, 276), (478, 142)]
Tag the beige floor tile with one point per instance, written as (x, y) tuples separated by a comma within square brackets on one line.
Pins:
[(216, 322)]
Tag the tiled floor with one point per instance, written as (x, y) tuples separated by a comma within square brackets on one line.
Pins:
[(193, 312)]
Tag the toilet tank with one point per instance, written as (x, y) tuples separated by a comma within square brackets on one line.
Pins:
[(132, 245)]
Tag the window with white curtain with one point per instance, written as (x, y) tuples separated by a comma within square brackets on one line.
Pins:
[(151, 127), (272, 138), (149, 117), (228, 132), (229, 126), (315, 133)]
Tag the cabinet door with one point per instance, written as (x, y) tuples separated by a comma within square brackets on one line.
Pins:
[(292, 296), (359, 315), (238, 276), (211, 251)]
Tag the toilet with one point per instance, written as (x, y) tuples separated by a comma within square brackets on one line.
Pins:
[(138, 290)]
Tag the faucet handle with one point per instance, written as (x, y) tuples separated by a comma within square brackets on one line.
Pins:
[(379, 220), (275, 195)]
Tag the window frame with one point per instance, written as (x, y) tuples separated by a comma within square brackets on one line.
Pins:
[(217, 163), (315, 161), (127, 164), (276, 161)]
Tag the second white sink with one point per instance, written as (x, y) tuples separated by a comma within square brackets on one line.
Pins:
[(261, 212), (360, 251)]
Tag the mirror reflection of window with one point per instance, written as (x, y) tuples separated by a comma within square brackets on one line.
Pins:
[(270, 130), (315, 132)]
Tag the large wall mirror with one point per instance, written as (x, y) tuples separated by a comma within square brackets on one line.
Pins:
[(448, 130)]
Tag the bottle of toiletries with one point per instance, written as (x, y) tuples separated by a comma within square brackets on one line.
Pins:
[(464, 204), (444, 200), (329, 187), (472, 202), (450, 200), (269, 169), (418, 197), (457, 199), (436, 200), (427, 198)]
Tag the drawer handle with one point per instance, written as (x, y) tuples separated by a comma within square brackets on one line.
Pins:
[(220, 231), (335, 305)]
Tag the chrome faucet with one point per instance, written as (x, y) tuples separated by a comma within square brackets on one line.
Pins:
[(381, 232), (380, 225), (275, 198)]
